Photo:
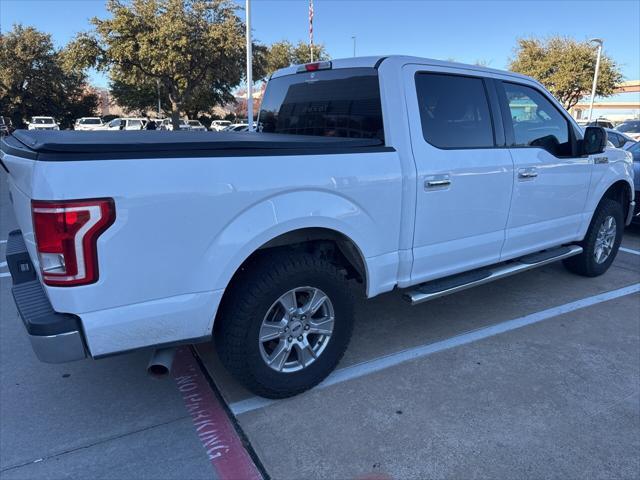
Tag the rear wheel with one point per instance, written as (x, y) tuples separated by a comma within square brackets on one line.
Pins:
[(285, 324), (601, 242)]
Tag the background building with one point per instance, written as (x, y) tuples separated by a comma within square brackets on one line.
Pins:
[(623, 105)]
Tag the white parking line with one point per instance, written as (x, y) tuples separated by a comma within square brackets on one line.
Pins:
[(629, 250), (3, 264), (6, 274), (375, 365), (3, 241)]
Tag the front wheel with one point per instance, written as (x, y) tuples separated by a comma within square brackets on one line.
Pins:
[(285, 324), (601, 242)]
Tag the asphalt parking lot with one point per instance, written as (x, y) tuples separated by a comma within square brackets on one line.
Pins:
[(536, 375)]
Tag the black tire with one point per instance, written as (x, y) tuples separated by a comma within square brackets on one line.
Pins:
[(585, 264), (251, 297)]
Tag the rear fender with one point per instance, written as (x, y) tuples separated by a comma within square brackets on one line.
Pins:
[(281, 214)]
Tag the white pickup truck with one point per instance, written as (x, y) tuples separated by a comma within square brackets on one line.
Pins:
[(392, 172)]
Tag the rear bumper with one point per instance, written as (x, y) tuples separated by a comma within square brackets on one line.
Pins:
[(55, 337)]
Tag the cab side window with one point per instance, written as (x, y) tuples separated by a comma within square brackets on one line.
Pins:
[(536, 121), (454, 111)]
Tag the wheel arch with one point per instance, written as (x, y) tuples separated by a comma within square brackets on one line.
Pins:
[(321, 241), (620, 190), (317, 241)]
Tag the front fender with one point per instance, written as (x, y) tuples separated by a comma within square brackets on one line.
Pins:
[(620, 167)]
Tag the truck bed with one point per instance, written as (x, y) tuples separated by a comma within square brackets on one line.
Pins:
[(102, 145)]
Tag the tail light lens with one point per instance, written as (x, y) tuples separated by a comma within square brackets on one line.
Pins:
[(66, 233)]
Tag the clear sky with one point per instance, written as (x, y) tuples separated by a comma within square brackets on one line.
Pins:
[(462, 30)]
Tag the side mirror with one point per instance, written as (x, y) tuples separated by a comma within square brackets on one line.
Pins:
[(595, 140)]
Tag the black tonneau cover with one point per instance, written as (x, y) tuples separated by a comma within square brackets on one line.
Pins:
[(71, 145)]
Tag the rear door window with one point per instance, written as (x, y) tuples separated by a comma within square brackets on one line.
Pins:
[(454, 111), (328, 103)]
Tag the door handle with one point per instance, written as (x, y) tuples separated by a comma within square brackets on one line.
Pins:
[(527, 173), (435, 181)]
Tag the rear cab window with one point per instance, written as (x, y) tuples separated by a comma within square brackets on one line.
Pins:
[(328, 103)]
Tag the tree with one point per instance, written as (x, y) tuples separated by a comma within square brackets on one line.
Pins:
[(194, 48), (284, 53), (565, 67), (35, 79), (138, 99)]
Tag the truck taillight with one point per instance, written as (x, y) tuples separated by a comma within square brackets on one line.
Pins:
[(66, 233)]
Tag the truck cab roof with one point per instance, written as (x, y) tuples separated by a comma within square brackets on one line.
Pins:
[(377, 61)]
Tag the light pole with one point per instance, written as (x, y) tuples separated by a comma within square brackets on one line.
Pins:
[(595, 75), (159, 103), (353, 37), (249, 68)]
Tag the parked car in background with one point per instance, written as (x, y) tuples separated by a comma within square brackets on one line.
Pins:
[(600, 122), (43, 123), (630, 128), (6, 126), (88, 124), (635, 151), (619, 139), (196, 126), (125, 124), (238, 127), (219, 125), (437, 177), (167, 124)]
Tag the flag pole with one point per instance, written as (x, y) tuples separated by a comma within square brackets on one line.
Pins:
[(249, 67), (311, 29)]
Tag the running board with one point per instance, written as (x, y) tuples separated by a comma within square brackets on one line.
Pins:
[(456, 283)]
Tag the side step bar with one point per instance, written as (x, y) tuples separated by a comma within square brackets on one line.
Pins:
[(456, 283)]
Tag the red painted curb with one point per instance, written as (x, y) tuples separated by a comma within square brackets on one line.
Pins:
[(224, 448)]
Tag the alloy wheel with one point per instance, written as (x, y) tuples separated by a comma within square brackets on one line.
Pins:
[(296, 329), (605, 239)]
